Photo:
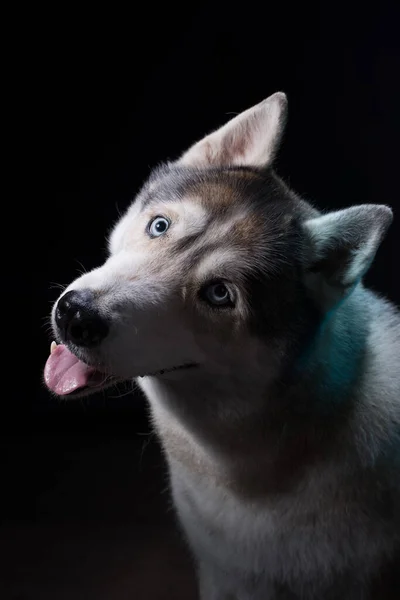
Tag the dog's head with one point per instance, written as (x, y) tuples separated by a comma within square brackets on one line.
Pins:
[(215, 264)]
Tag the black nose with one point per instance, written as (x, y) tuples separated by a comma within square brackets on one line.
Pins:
[(79, 320)]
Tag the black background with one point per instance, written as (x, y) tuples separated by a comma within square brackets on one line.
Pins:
[(102, 97)]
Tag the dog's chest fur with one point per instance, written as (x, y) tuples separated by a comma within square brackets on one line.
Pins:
[(297, 528)]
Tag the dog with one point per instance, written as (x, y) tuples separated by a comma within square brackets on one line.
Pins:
[(272, 372)]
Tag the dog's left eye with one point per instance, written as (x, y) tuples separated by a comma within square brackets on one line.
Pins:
[(158, 226), (217, 294)]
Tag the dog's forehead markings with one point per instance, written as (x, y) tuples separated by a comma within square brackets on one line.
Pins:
[(216, 189), (193, 214), (244, 226), (220, 262), (218, 196), (211, 205)]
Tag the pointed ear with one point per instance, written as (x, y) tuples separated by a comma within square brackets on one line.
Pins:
[(250, 139), (341, 248)]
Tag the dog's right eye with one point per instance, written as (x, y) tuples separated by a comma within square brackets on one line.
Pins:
[(158, 226)]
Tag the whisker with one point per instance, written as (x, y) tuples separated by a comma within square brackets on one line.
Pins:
[(145, 445), (59, 286), (119, 212), (123, 394), (82, 270)]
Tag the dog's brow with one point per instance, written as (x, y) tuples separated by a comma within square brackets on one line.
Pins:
[(216, 260)]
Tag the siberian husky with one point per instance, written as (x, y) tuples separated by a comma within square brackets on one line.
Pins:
[(272, 373)]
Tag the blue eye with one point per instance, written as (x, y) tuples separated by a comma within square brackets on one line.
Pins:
[(217, 294), (158, 226)]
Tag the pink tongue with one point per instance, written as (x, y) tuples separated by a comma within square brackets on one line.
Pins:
[(64, 373)]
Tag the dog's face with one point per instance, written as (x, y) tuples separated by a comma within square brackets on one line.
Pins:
[(207, 268)]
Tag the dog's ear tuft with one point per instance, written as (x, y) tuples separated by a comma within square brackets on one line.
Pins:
[(249, 139), (342, 246)]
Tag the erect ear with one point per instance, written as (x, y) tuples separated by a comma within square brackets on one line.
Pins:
[(342, 246), (250, 139)]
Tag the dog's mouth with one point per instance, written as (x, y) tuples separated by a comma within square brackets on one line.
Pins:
[(66, 375)]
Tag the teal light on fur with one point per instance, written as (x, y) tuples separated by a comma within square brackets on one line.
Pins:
[(335, 353)]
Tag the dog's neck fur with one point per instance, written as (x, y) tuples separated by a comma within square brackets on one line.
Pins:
[(243, 417)]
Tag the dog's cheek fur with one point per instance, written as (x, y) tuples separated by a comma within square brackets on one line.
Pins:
[(285, 319)]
